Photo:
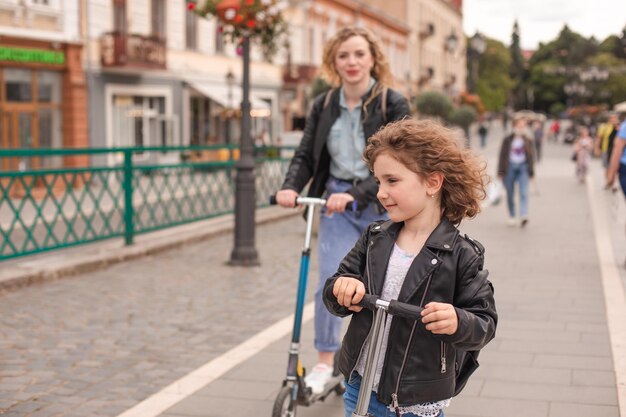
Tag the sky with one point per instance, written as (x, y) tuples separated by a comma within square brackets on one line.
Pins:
[(542, 20)]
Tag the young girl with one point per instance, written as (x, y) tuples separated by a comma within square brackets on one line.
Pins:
[(329, 156), (428, 184)]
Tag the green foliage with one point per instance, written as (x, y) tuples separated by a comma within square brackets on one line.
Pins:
[(463, 117), (494, 82), (434, 104), (556, 108), (318, 87)]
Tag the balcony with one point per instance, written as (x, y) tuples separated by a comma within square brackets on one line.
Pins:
[(132, 51), (302, 73)]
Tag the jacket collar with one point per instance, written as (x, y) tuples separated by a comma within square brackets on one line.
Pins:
[(442, 238)]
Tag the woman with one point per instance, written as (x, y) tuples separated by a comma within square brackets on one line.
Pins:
[(516, 165), (330, 154)]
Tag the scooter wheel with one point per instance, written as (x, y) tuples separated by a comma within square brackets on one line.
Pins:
[(284, 406)]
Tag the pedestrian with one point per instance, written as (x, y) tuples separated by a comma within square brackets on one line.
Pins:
[(582, 149), (605, 139), (555, 129), (538, 136), (428, 183), (482, 133), (516, 166), (330, 154), (617, 165)]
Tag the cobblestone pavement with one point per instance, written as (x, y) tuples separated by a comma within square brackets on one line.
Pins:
[(96, 344)]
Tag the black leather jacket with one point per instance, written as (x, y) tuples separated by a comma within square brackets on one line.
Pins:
[(312, 160), (419, 366)]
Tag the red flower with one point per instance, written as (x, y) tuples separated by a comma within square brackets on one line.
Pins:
[(251, 24), (191, 6), (238, 18), (249, 2)]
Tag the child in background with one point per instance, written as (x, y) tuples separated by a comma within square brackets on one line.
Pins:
[(583, 147), (428, 183)]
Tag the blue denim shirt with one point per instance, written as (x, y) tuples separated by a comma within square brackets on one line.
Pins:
[(346, 142)]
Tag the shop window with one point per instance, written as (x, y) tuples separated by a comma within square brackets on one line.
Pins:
[(49, 127), (48, 87), (18, 85)]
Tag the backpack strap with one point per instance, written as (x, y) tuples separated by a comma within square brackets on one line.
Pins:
[(328, 96), (383, 104)]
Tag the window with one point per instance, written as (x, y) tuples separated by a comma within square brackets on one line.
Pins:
[(41, 2), (219, 39), (119, 16), (158, 19), (18, 85), (191, 29)]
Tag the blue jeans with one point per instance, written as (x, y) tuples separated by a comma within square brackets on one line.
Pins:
[(376, 408), (517, 173), (337, 235)]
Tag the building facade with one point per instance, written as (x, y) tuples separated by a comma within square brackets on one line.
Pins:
[(161, 75), (43, 93)]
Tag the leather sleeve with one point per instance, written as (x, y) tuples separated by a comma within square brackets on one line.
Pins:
[(301, 167), (398, 106), (353, 265), (475, 307)]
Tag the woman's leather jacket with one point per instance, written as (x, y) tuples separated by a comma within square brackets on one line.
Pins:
[(312, 160), (420, 366)]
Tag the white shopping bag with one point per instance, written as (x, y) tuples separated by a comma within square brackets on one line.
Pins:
[(494, 193)]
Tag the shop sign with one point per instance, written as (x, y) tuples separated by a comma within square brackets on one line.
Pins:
[(39, 56)]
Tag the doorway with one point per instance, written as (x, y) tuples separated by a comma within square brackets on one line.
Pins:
[(18, 129)]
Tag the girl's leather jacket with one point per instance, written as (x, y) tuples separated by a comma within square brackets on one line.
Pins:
[(419, 365), (312, 160)]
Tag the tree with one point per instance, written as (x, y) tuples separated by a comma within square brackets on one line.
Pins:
[(494, 82), (434, 104), (516, 70), (463, 117)]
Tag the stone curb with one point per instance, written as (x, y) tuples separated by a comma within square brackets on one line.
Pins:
[(85, 258)]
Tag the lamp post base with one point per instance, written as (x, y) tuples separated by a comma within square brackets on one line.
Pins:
[(244, 256)]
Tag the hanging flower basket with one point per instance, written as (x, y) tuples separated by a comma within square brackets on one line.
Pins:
[(260, 20)]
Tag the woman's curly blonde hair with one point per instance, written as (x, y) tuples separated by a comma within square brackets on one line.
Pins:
[(426, 147), (380, 70)]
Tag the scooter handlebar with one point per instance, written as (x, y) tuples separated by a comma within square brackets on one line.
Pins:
[(312, 201), (393, 307)]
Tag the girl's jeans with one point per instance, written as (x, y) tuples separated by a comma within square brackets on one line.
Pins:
[(517, 173), (376, 408), (337, 235)]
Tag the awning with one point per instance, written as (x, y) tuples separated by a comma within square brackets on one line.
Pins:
[(219, 94)]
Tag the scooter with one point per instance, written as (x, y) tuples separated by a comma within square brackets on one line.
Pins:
[(294, 391), (381, 309)]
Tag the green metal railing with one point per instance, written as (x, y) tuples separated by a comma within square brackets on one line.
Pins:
[(115, 195)]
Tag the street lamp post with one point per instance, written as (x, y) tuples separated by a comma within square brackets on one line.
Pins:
[(450, 46), (244, 253), (476, 49)]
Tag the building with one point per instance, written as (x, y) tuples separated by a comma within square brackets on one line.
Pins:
[(43, 91), (161, 75)]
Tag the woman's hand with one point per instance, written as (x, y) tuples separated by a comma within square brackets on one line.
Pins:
[(287, 198), (440, 318), (337, 202), (349, 292)]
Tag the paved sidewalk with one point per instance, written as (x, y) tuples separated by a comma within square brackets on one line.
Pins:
[(106, 339)]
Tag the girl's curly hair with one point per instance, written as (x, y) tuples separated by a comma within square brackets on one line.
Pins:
[(426, 147), (380, 70)]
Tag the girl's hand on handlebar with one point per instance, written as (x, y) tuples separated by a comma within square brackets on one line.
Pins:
[(337, 202), (349, 292), (440, 318), (287, 198)]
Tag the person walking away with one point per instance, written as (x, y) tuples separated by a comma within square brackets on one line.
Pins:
[(516, 166), (429, 184), (555, 129), (482, 133), (617, 165), (330, 154), (538, 136), (582, 148)]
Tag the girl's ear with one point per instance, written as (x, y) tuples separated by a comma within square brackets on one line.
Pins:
[(434, 182)]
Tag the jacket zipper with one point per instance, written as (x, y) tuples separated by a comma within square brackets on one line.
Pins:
[(369, 283), (443, 358), (394, 395)]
